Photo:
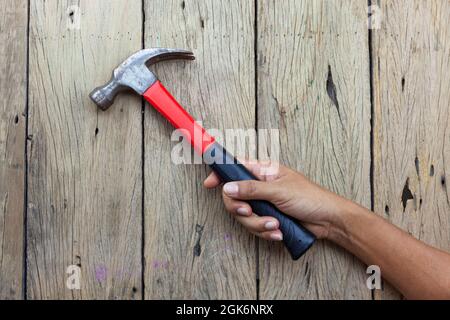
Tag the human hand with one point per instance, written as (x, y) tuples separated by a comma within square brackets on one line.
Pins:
[(317, 209)]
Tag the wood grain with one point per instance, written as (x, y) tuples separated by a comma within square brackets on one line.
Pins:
[(85, 177), (85, 166), (13, 49), (193, 248), (313, 85), (411, 123)]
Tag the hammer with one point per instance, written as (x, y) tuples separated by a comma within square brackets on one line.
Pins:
[(134, 74)]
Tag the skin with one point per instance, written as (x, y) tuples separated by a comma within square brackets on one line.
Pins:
[(416, 269)]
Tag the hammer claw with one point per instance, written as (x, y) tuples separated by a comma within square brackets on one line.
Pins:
[(181, 54), (153, 55)]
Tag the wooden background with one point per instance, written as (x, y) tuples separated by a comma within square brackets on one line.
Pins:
[(364, 112)]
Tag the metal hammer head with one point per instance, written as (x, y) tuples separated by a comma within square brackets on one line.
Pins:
[(134, 74)]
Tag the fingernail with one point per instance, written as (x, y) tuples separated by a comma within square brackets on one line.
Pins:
[(242, 211), (276, 236), (270, 225), (231, 188)]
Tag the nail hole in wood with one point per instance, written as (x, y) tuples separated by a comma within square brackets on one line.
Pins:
[(79, 261), (331, 91), (406, 194)]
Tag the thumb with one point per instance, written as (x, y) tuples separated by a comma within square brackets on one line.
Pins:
[(250, 190)]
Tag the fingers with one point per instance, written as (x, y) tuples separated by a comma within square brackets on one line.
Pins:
[(271, 235), (239, 208), (212, 181), (251, 190), (263, 170), (264, 227)]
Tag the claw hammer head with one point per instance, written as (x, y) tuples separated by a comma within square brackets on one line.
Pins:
[(134, 74)]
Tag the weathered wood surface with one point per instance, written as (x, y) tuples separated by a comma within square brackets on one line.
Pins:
[(193, 248), (85, 176), (411, 121), (13, 49), (87, 169), (313, 85)]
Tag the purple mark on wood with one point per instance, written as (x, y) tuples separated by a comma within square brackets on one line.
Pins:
[(160, 264), (100, 273)]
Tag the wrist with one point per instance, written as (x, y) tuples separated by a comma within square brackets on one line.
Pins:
[(347, 219)]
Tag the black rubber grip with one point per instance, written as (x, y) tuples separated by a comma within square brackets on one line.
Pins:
[(296, 238)]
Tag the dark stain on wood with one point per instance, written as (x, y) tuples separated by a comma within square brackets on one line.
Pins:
[(431, 170), (183, 5), (78, 258), (198, 247), (307, 275), (71, 14), (443, 181), (331, 91), (406, 194), (386, 210), (403, 84), (416, 163), (202, 23)]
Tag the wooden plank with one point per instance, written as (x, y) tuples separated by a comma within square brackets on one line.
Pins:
[(314, 87), (13, 37), (193, 248), (85, 176), (412, 116)]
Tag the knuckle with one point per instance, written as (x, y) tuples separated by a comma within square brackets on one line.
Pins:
[(229, 210), (229, 207), (251, 188), (265, 236), (226, 199), (228, 204), (256, 233)]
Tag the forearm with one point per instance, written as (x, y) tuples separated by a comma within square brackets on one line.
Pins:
[(417, 270)]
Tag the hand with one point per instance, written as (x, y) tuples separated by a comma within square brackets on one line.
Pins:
[(316, 208)]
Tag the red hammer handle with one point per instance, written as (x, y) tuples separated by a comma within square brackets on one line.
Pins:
[(158, 96)]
